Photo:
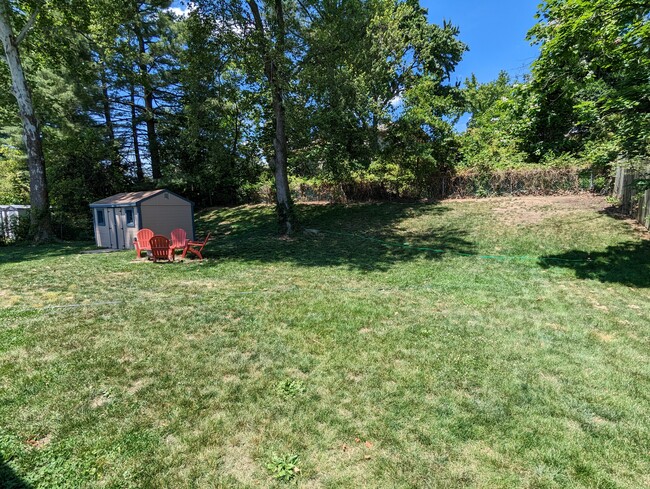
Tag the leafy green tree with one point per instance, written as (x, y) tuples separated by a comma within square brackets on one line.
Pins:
[(66, 89), (593, 74), (501, 119), (137, 51), (374, 84), (210, 145), (269, 38), (14, 175)]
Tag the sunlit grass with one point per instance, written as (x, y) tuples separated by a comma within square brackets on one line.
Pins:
[(515, 355)]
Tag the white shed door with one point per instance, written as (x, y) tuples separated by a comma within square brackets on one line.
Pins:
[(125, 218), (110, 222), (121, 225)]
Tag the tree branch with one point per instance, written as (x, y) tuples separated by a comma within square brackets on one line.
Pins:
[(307, 12), (259, 25), (27, 26)]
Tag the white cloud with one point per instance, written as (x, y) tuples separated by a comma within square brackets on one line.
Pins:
[(396, 101), (183, 11)]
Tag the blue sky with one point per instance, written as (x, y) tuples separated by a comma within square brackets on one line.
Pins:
[(495, 32)]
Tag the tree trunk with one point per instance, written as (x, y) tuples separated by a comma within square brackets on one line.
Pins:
[(282, 191), (154, 150), (136, 143), (41, 223), (284, 203), (110, 131), (235, 139)]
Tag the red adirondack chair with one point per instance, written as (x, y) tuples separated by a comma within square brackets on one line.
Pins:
[(195, 247), (179, 240), (160, 249), (141, 241)]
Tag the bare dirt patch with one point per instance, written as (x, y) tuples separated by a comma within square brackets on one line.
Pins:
[(604, 337), (532, 210), (100, 401), (597, 305), (238, 460), (137, 386), (41, 442), (8, 299)]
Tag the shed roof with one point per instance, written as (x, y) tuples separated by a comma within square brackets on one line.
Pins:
[(131, 198)]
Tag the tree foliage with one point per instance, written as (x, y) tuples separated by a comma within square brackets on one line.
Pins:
[(595, 57), (588, 95)]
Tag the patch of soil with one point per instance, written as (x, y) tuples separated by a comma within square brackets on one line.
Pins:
[(604, 337), (238, 460), (39, 442), (532, 210), (137, 386), (100, 401)]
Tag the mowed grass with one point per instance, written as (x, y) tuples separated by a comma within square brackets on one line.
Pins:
[(491, 343)]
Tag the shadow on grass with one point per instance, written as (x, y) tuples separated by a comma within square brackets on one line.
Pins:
[(9, 479), (339, 236), (626, 263), (25, 252)]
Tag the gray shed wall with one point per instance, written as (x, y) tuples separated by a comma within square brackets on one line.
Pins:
[(165, 212)]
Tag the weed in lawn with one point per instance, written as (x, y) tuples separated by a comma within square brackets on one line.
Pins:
[(283, 468), (290, 387)]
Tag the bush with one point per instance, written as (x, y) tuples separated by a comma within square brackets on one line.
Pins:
[(72, 226), (485, 183)]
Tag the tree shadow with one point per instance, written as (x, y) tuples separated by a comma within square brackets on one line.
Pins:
[(9, 479), (24, 252), (360, 236), (626, 263), (617, 212)]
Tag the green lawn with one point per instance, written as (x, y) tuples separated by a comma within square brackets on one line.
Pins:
[(518, 357)]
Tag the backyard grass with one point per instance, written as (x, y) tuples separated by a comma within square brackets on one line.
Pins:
[(489, 343)]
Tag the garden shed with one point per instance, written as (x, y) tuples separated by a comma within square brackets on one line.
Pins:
[(118, 218)]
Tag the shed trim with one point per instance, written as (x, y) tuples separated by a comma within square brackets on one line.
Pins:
[(139, 209), (117, 237), (169, 192), (109, 206), (193, 223), (139, 201)]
